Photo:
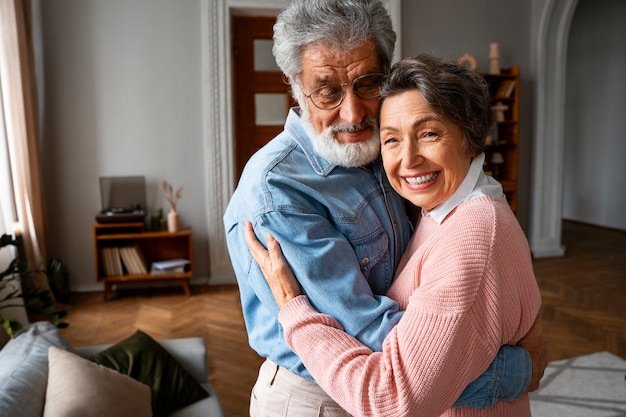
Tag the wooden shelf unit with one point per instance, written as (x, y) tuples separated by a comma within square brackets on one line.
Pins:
[(507, 133), (154, 246)]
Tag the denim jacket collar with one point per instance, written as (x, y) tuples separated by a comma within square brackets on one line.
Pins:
[(295, 126)]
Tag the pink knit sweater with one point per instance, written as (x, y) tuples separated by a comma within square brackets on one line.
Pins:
[(467, 286)]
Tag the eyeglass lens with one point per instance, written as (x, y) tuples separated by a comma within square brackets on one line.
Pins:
[(330, 95)]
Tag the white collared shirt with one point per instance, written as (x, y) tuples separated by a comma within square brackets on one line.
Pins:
[(475, 184)]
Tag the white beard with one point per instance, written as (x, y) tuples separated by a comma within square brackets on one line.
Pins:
[(347, 155)]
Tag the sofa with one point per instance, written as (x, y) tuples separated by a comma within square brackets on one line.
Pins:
[(42, 375)]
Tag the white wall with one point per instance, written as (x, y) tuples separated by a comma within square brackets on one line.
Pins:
[(594, 184), (122, 96)]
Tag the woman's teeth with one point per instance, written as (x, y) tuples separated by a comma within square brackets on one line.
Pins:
[(422, 180)]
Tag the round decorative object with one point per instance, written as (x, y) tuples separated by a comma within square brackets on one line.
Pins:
[(467, 61)]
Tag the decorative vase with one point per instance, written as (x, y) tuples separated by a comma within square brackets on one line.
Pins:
[(494, 58), (172, 221)]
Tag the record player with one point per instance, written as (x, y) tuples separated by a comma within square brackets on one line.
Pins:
[(123, 199)]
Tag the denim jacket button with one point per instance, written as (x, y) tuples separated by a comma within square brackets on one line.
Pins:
[(365, 261)]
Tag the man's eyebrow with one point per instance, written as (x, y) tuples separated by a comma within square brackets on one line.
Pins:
[(325, 80), (332, 79)]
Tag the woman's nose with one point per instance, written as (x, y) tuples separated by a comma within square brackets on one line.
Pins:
[(411, 155)]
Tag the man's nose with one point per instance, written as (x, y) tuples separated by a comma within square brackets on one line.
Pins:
[(353, 109)]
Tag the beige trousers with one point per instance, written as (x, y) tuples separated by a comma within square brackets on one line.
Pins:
[(280, 393)]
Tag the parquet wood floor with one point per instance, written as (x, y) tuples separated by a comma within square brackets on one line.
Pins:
[(584, 311), (584, 293)]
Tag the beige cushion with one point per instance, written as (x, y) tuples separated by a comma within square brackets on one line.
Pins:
[(81, 388)]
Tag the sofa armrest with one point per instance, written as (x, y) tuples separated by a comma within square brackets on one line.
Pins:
[(191, 353)]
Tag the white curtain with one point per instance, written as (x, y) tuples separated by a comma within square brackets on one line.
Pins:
[(7, 207), (21, 190)]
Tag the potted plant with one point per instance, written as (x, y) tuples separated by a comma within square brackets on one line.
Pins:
[(34, 299)]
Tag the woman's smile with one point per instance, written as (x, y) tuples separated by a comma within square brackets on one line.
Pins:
[(422, 179)]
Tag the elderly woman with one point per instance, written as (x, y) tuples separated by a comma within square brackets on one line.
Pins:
[(466, 281)]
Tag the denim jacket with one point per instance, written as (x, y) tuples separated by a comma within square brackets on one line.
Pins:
[(343, 232)]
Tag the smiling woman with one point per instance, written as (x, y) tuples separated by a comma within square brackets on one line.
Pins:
[(435, 118), (423, 152)]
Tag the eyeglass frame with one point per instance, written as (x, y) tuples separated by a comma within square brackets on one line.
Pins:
[(343, 93)]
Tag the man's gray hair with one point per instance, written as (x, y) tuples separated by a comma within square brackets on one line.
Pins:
[(345, 24)]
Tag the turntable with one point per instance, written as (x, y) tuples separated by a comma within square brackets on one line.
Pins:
[(123, 199)]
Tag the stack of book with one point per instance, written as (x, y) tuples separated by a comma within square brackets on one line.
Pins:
[(170, 266), (120, 260), (111, 262), (133, 260), (505, 89)]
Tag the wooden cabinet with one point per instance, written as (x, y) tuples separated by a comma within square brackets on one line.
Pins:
[(151, 247), (501, 154)]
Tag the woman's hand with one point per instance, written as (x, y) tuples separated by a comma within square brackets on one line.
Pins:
[(277, 273), (535, 345)]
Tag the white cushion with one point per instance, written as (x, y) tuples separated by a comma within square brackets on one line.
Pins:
[(78, 387)]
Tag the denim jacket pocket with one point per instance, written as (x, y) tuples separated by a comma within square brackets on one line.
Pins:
[(371, 249)]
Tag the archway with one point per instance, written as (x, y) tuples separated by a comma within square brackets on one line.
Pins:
[(548, 147)]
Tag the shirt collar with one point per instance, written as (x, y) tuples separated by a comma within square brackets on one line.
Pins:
[(295, 124), (475, 184)]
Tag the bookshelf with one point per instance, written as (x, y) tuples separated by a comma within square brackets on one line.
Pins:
[(124, 253), (501, 153)]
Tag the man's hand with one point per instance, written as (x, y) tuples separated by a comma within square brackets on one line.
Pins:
[(536, 346)]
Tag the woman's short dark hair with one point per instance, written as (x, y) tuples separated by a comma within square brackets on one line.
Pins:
[(452, 91)]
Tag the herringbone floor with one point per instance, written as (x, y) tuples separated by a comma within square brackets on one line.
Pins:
[(584, 293), (584, 311)]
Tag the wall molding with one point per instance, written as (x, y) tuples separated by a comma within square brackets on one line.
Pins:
[(217, 133)]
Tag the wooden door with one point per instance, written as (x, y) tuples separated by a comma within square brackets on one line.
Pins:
[(261, 93)]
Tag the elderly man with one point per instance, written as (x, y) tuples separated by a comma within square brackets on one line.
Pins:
[(320, 189)]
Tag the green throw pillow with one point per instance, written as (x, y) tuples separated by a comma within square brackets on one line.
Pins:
[(144, 359)]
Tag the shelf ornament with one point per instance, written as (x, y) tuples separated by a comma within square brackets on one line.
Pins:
[(494, 58), (468, 61), (172, 198)]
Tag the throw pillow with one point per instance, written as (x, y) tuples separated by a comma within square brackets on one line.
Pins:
[(144, 359), (24, 369), (78, 387)]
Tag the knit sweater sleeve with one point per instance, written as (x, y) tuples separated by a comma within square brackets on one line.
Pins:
[(452, 329)]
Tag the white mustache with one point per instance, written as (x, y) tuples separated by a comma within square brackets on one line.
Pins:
[(354, 128)]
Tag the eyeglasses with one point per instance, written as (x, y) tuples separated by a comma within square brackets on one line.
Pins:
[(330, 96)]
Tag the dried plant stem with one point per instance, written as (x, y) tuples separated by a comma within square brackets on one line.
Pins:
[(171, 197)]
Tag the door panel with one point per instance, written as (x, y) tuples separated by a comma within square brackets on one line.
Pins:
[(259, 113)]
